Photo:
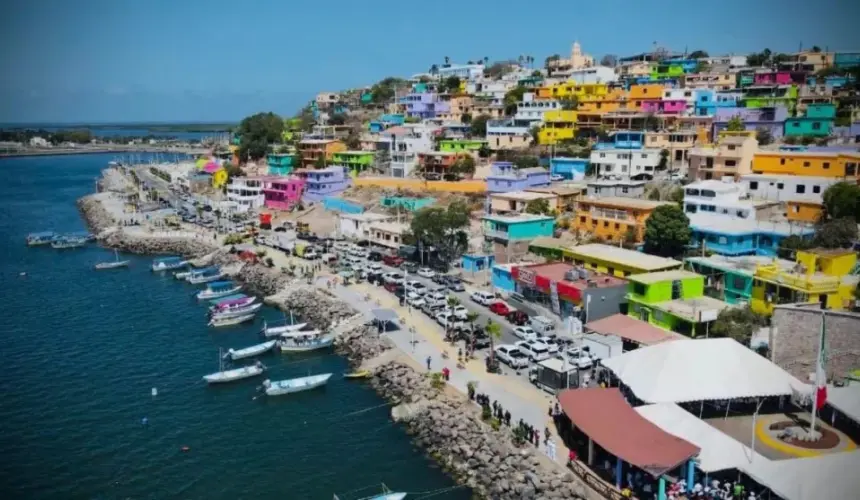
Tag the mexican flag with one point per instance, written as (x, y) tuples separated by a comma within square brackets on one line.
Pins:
[(820, 374)]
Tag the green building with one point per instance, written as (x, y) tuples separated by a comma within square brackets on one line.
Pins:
[(461, 145), (667, 70), (281, 163), (769, 96), (817, 122), (673, 300), (354, 162)]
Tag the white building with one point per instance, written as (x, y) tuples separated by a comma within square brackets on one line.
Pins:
[(461, 71), (533, 110), (39, 142), (246, 192), (388, 234), (730, 61), (508, 134), (357, 226), (403, 144), (494, 90), (621, 163), (787, 187), (720, 198), (594, 74)]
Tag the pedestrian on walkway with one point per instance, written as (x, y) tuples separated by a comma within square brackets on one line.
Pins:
[(507, 418), (546, 434), (446, 374), (537, 438), (428, 362)]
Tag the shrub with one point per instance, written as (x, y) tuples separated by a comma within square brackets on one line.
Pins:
[(437, 381), (486, 413), (495, 423)]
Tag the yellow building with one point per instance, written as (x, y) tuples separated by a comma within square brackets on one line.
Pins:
[(614, 218), (807, 163), (820, 276), (558, 125), (566, 90), (645, 91), (803, 211), (616, 261), (613, 100)]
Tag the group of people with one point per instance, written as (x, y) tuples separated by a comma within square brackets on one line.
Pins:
[(713, 491), (530, 434)]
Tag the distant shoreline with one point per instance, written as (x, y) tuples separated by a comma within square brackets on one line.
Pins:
[(215, 127), (92, 151)]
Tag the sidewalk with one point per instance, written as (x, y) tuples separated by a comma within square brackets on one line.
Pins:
[(522, 400)]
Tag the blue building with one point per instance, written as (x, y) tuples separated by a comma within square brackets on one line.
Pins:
[(335, 204), (503, 279), (385, 121), (706, 102), (846, 59), (569, 168), (731, 236), (504, 178), (624, 139), (473, 263)]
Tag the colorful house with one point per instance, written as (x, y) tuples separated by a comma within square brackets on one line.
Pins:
[(282, 193), (808, 163), (573, 287), (354, 162), (674, 301), (509, 235), (732, 236), (770, 118), (461, 145), (436, 163), (770, 96), (611, 259), (312, 150), (406, 203), (826, 277), (504, 177), (558, 126), (338, 204), (614, 218), (568, 168), (816, 122), (804, 211), (423, 105), (518, 201), (324, 182), (281, 164)]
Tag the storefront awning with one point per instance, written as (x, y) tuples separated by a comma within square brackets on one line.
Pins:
[(604, 416)]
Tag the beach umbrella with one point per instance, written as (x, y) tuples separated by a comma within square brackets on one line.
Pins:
[(201, 162), (211, 167)]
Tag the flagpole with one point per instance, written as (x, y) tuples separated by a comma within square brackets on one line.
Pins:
[(819, 368)]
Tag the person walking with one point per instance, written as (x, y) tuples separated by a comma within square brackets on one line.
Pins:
[(537, 437), (429, 359), (507, 418)]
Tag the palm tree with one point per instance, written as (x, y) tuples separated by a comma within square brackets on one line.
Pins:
[(434, 70), (447, 60), (520, 59), (486, 60), (494, 331), (452, 303)]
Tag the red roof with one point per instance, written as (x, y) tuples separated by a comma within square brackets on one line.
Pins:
[(604, 416), (632, 329)]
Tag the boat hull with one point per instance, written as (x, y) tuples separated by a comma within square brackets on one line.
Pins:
[(249, 309), (291, 386), (196, 280), (228, 376), (113, 265), (208, 295), (231, 321), (286, 346), (252, 351), (277, 331), (168, 267)]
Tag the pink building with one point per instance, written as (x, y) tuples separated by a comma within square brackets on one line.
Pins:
[(666, 106), (779, 78), (281, 193)]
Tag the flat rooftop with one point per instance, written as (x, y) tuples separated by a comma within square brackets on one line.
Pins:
[(677, 274), (689, 308), (560, 190), (721, 224), (625, 257), (619, 201), (742, 265), (555, 271), (513, 219), (390, 227), (522, 196)]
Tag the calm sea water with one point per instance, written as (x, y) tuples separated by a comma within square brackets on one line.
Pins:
[(82, 350)]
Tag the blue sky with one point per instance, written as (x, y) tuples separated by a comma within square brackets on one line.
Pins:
[(194, 60)]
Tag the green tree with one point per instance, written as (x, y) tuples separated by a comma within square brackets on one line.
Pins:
[(526, 161), (337, 119), (353, 140), (677, 195), (739, 323), (478, 126), (233, 170), (538, 207), (836, 233), (759, 58), (735, 124), (763, 136), (842, 200), (512, 97), (609, 60), (667, 231), (698, 54), (443, 228), (463, 166), (790, 245), (569, 103), (320, 162), (466, 118), (494, 331), (651, 122), (664, 160), (256, 132)]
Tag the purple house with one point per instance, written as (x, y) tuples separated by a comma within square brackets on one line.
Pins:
[(779, 78), (770, 118), (505, 178), (324, 182), (665, 106), (423, 105)]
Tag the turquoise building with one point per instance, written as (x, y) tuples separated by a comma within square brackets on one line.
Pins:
[(473, 263), (569, 168), (336, 204), (508, 228), (817, 122), (503, 279), (281, 164), (406, 203)]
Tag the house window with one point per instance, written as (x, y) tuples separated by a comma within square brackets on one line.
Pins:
[(732, 148), (606, 223), (782, 161), (816, 189), (582, 219), (644, 156), (780, 185), (816, 126), (594, 222), (603, 155), (723, 240), (677, 288), (690, 208), (731, 163), (617, 226), (800, 188), (806, 164), (850, 168), (753, 185), (825, 165)]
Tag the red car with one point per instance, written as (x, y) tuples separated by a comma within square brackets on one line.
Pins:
[(500, 308), (518, 318), (392, 260)]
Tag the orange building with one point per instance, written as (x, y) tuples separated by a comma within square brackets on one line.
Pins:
[(614, 218), (803, 211), (807, 163), (644, 92), (311, 150)]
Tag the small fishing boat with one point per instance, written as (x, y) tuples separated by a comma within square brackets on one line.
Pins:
[(358, 374), (307, 334), (227, 306), (223, 376), (181, 275), (115, 264), (218, 289), (227, 298), (168, 263), (204, 275), (247, 352), (249, 309), (281, 328), (387, 494), (65, 242), (280, 387), (231, 320), (43, 238), (305, 345)]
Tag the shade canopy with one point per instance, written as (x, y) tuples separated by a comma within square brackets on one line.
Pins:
[(384, 315), (632, 329), (833, 475), (605, 417), (700, 370)]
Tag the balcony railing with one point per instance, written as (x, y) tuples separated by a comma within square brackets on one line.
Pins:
[(496, 234), (809, 284)]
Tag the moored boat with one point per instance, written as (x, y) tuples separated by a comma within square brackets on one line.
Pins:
[(204, 275), (387, 494), (281, 328), (247, 352), (217, 289), (300, 384), (43, 238), (305, 344), (230, 306), (116, 263), (223, 376), (227, 298), (65, 242), (302, 334), (231, 320), (168, 263), (357, 375)]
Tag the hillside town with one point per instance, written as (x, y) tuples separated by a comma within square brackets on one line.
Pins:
[(655, 256)]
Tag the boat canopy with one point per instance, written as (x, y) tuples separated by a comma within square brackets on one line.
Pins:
[(234, 297), (168, 260), (221, 285), (204, 270), (43, 234), (231, 302)]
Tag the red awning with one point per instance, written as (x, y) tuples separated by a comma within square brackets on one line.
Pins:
[(604, 416), (533, 278), (632, 329)]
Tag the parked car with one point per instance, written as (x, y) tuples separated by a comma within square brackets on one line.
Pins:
[(431, 308), (440, 279), (500, 308), (416, 287), (475, 335), (393, 278), (518, 318), (483, 298), (375, 278), (392, 260), (556, 178), (374, 256), (436, 298), (455, 284), (578, 357), (551, 343), (511, 356), (392, 287), (414, 300), (445, 318), (409, 267), (374, 268), (536, 351), (525, 333), (542, 325), (460, 312)]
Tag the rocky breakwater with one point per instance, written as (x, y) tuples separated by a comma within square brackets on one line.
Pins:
[(96, 216), (362, 343), (313, 304), (485, 459)]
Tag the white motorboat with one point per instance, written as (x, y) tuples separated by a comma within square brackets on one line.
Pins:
[(277, 331), (218, 289), (307, 334), (113, 265), (280, 387), (386, 494), (249, 309), (168, 263), (223, 376), (231, 320), (196, 279), (305, 344), (232, 304), (247, 352)]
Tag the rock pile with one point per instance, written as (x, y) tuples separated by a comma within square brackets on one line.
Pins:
[(314, 305), (484, 459), (97, 218), (361, 343), (126, 242)]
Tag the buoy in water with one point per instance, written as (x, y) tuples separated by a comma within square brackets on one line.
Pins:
[(22, 274), (144, 421), (185, 448), (154, 392)]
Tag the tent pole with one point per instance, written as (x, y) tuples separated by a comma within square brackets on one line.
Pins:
[(727, 409)]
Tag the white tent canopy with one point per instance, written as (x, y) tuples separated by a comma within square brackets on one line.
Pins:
[(833, 475), (719, 451), (846, 399), (706, 369)]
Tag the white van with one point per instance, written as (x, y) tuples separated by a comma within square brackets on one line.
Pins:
[(542, 325)]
